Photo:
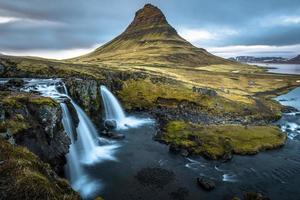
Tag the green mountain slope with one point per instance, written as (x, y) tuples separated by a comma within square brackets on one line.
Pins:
[(150, 40)]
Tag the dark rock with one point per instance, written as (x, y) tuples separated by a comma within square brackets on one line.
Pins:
[(206, 183), (110, 124), (254, 196), (227, 157), (2, 69), (118, 136), (15, 82), (184, 152), (195, 139), (174, 149), (113, 135), (289, 109)]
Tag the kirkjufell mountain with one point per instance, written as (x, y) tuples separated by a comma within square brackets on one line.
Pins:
[(151, 40)]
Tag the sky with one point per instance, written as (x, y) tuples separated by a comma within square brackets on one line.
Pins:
[(68, 28)]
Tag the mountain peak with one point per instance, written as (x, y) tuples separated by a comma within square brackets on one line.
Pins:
[(151, 40), (149, 16)]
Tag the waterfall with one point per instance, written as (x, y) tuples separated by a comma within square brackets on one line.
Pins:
[(88, 148), (87, 133), (74, 168), (114, 111)]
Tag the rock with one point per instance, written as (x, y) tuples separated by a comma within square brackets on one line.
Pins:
[(205, 91), (184, 152), (206, 183), (113, 135), (118, 136), (227, 157), (254, 196), (289, 109), (195, 139), (178, 150), (174, 149), (15, 82), (37, 126), (110, 124), (2, 69)]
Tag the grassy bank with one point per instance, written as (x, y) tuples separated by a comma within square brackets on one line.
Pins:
[(214, 141)]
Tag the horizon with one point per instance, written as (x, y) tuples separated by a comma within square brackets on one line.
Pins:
[(239, 29)]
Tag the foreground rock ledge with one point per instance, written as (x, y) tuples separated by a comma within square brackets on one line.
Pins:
[(25, 176)]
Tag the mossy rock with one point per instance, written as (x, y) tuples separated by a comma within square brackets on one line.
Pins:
[(215, 141)]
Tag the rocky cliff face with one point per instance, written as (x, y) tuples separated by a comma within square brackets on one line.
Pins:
[(34, 122)]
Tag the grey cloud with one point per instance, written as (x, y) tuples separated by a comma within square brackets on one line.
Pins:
[(81, 23)]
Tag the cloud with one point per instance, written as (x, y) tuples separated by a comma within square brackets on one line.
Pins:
[(53, 54), (195, 35), (202, 35), (4, 19)]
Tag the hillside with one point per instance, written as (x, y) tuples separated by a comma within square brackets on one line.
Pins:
[(151, 40), (295, 60)]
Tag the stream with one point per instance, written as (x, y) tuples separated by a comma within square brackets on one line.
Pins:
[(138, 167)]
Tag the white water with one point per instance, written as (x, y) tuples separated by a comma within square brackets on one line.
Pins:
[(88, 148), (114, 111), (88, 137)]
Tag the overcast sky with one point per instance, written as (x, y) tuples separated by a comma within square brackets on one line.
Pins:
[(66, 28)]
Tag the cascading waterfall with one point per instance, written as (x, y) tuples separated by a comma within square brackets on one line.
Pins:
[(114, 111), (88, 148), (74, 170), (91, 152)]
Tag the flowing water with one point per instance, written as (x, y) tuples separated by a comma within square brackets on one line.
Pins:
[(114, 111), (88, 148)]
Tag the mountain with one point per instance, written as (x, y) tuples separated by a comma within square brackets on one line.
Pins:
[(150, 40), (295, 60), (253, 59), (274, 60)]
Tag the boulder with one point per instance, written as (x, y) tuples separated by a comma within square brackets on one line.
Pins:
[(113, 135), (174, 149), (206, 184), (178, 150), (255, 196), (15, 82), (110, 124)]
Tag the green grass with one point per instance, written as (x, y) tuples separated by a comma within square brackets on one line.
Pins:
[(24, 176), (217, 140)]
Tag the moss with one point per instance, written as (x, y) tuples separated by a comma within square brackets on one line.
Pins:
[(24, 176), (146, 94), (214, 141), (15, 125), (38, 100), (19, 99)]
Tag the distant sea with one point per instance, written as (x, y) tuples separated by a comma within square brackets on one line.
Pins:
[(280, 68)]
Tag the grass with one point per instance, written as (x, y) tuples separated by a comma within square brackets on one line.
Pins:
[(24, 176), (214, 141), (16, 104)]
